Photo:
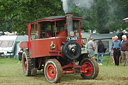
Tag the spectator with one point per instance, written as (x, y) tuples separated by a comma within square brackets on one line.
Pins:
[(111, 52), (116, 46), (91, 47), (20, 55), (100, 52), (124, 50), (83, 44)]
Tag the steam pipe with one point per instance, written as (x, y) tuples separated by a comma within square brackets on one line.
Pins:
[(69, 21)]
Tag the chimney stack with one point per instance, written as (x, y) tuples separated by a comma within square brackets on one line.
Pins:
[(69, 21)]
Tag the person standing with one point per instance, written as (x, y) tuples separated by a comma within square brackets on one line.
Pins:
[(116, 45), (20, 55), (83, 44), (91, 48), (111, 52), (100, 51), (124, 50)]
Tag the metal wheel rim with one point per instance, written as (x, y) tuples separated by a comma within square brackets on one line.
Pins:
[(89, 70), (25, 64), (51, 71)]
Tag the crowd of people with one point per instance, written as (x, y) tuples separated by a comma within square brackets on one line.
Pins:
[(91, 49), (118, 50)]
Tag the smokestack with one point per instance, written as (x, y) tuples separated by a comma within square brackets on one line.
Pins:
[(69, 21)]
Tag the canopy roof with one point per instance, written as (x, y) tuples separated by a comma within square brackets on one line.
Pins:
[(103, 36), (55, 18)]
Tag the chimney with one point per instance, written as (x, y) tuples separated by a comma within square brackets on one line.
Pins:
[(69, 21)]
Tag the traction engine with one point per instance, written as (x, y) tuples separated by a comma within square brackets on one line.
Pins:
[(54, 45)]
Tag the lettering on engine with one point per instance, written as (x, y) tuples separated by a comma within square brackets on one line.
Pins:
[(71, 38)]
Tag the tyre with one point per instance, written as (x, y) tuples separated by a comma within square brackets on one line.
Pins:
[(53, 71), (33, 71), (27, 65), (92, 68), (34, 68), (71, 50)]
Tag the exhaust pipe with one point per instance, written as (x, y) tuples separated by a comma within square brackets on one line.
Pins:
[(69, 21)]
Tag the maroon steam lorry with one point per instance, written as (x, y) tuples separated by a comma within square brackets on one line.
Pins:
[(54, 45)]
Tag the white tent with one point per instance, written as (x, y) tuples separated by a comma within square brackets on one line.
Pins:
[(21, 38), (125, 19), (7, 45)]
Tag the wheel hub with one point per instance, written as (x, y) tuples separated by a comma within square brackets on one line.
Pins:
[(88, 67), (51, 71)]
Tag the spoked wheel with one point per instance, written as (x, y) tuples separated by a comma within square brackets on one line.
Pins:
[(53, 71), (28, 68), (91, 66)]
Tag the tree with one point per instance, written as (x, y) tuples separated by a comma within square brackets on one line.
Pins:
[(103, 15), (16, 14)]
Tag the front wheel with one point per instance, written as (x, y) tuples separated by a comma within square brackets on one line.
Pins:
[(53, 71), (91, 67)]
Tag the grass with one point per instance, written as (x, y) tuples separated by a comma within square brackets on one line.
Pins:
[(11, 73)]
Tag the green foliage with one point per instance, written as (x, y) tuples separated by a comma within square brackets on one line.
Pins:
[(102, 15), (16, 14)]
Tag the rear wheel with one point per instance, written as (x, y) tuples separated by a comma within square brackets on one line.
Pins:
[(53, 71), (92, 68), (27, 65)]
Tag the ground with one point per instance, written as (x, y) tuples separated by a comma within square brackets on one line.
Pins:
[(11, 73)]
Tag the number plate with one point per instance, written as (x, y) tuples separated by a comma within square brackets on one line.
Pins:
[(72, 38)]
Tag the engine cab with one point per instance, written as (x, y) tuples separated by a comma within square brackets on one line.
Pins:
[(48, 36)]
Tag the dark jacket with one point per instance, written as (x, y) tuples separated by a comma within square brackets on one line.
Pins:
[(101, 48), (124, 45)]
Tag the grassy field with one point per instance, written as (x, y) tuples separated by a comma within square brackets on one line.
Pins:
[(11, 74)]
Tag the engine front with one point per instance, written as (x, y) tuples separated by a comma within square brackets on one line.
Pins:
[(71, 49)]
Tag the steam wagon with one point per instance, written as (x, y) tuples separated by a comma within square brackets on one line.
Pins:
[(54, 45)]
